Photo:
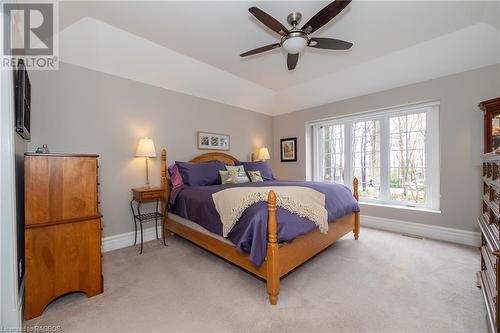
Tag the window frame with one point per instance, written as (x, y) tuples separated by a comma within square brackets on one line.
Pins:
[(432, 150)]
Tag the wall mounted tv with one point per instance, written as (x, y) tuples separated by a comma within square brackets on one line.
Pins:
[(23, 100)]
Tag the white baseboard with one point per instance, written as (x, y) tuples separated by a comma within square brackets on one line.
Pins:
[(423, 230), (116, 242), (459, 236)]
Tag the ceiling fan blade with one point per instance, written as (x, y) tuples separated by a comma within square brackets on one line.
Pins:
[(329, 43), (291, 61), (268, 21), (325, 15), (260, 50)]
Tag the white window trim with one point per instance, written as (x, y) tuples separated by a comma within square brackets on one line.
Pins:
[(432, 151)]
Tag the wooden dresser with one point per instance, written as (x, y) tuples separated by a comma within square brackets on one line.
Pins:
[(489, 275), (490, 240), (62, 228)]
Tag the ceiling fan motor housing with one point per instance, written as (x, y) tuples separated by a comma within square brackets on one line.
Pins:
[(294, 19)]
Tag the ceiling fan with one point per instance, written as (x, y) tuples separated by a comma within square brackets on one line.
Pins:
[(295, 39)]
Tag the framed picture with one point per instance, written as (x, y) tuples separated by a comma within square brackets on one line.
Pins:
[(289, 150), (213, 141)]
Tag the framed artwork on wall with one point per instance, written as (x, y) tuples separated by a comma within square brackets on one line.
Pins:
[(213, 141), (289, 150)]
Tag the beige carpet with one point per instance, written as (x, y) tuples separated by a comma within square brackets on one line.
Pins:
[(384, 282)]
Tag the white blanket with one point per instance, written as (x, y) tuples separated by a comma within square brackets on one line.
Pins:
[(303, 201)]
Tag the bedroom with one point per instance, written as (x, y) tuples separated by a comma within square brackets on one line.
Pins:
[(392, 105)]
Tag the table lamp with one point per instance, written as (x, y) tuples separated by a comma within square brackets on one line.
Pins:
[(146, 148), (263, 154)]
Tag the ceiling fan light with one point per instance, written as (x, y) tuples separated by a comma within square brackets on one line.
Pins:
[(294, 45)]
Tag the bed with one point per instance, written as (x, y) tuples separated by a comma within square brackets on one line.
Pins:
[(272, 254)]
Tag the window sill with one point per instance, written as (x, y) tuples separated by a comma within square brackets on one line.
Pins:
[(418, 209)]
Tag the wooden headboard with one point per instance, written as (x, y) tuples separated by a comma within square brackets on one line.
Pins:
[(214, 156)]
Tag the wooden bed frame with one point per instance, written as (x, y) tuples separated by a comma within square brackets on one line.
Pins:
[(281, 258)]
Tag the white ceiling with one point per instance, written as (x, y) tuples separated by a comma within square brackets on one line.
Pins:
[(395, 43)]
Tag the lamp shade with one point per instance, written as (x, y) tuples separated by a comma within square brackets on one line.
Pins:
[(263, 154), (145, 148)]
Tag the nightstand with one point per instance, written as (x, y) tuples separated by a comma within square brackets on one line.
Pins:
[(142, 195)]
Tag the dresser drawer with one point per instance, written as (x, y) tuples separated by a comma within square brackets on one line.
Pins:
[(490, 235), (491, 268), (151, 195), (492, 259), (148, 195), (488, 301), (489, 169), (486, 212), (492, 176), (490, 293), (494, 171), (494, 218), (491, 215), (494, 197)]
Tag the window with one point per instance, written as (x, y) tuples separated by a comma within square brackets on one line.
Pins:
[(332, 150), (366, 157), (394, 153), (407, 161)]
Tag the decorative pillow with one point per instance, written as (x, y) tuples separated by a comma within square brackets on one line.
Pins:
[(228, 176), (255, 176), (175, 175), (200, 174), (242, 176), (263, 167)]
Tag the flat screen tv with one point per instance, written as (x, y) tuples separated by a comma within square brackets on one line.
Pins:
[(23, 100)]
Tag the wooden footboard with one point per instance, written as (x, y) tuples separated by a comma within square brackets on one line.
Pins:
[(281, 258)]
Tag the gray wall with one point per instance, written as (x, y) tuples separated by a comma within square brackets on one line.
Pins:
[(79, 110), (461, 136)]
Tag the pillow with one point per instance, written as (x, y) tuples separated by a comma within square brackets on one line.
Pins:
[(255, 176), (263, 167), (228, 176), (200, 174), (175, 175), (240, 170)]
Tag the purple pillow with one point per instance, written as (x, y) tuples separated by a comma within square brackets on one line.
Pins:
[(263, 167), (200, 174), (175, 175)]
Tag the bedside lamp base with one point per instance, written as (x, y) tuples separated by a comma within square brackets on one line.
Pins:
[(147, 174)]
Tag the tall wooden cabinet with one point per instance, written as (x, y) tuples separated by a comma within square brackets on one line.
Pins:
[(488, 276), (62, 228), (489, 219)]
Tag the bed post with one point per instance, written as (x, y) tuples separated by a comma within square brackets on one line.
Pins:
[(356, 215), (273, 267), (165, 184)]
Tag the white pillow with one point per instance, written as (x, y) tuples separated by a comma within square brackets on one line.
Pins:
[(242, 175)]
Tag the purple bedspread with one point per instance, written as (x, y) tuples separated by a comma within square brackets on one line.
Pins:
[(195, 203)]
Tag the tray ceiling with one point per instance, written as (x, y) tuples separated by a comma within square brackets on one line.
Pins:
[(195, 46)]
